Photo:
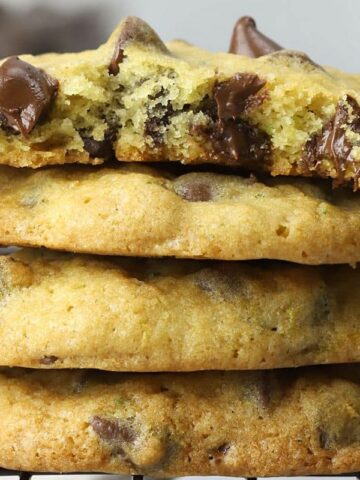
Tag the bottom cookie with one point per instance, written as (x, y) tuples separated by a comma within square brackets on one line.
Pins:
[(275, 423)]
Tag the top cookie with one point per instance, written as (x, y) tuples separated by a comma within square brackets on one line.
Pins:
[(142, 100)]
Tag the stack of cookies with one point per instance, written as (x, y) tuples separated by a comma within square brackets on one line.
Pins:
[(186, 366)]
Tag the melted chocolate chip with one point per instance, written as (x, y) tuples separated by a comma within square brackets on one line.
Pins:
[(247, 40), (238, 95), (194, 191), (207, 106), (26, 93), (242, 141), (48, 359), (332, 143), (133, 29), (233, 136), (113, 431)]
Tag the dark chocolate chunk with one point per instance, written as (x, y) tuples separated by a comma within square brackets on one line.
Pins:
[(48, 359), (332, 143), (113, 431), (194, 191), (26, 93), (238, 95), (247, 40), (134, 29)]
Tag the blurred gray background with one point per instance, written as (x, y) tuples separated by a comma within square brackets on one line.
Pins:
[(328, 30)]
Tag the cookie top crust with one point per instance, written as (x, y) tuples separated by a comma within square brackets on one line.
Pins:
[(277, 423), (139, 99), (133, 210)]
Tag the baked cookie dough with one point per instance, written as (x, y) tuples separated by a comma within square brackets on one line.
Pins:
[(142, 100), (73, 311), (138, 211), (275, 423)]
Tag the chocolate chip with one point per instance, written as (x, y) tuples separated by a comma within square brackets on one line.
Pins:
[(233, 136), (332, 143), (247, 40), (98, 148), (220, 280), (207, 106), (135, 30), (223, 449), (342, 432), (26, 93), (236, 96), (113, 431), (322, 309), (264, 389), (159, 117), (211, 280), (324, 439), (270, 386), (296, 56), (117, 58), (48, 359), (194, 190), (242, 142), (101, 148), (218, 453)]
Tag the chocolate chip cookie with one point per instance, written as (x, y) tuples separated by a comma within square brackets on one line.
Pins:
[(73, 311), (138, 99), (133, 210), (276, 423)]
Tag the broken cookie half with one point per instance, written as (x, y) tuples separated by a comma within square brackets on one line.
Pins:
[(134, 98)]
